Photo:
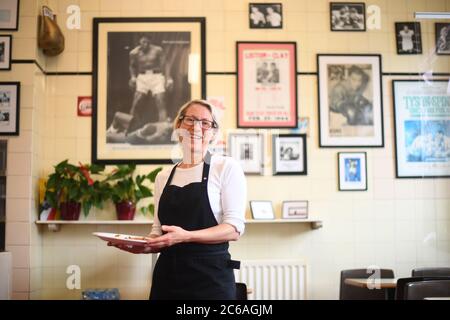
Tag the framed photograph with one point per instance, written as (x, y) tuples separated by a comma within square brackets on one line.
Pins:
[(350, 100), (422, 128), (289, 154), (295, 209), (348, 16), (408, 37), (262, 210), (266, 85), (5, 51), (352, 171), (9, 15), (248, 150), (144, 70), (9, 108), (266, 15), (442, 36)]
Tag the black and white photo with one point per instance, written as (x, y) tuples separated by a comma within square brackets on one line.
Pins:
[(9, 108), (142, 78), (266, 15), (295, 209), (348, 16), (350, 104), (5, 52), (289, 154), (442, 35), (408, 37), (248, 150), (9, 15)]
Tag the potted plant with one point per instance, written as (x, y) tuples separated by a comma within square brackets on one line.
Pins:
[(126, 190), (70, 187)]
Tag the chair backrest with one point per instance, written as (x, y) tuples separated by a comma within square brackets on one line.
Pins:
[(400, 291), (431, 272), (348, 292), (241, 291), (422, 289)]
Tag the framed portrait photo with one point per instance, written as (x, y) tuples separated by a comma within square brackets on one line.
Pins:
[(348, 16), (295, 209), (248, 150), (9, 108), (350, 100), (9, 15), (265, 15), (408, 37), (352, 171), (262, 210), (422, 128), (289, 154), (442, 36), (266, 85), (5, 51), (144, 70)]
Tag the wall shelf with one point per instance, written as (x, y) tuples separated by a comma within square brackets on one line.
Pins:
[(55, 225)]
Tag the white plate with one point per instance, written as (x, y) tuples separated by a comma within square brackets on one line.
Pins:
[(117, 238)]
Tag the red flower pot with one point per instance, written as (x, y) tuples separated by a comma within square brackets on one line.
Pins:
[(125, 210), (70, 210)]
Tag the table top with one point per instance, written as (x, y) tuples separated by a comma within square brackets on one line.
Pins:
[(390, 283)]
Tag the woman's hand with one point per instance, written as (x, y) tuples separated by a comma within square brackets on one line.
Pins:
[(136, 249), (173, 236)]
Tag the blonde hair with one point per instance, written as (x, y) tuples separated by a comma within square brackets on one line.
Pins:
[(184, 107)]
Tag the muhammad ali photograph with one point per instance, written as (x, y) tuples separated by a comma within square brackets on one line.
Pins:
[(145, 70)]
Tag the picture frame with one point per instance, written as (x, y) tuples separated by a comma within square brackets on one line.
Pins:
[(266, 84), (265, 15), (442, 38), (5, 51), (408, 37), (350, 100), (9, 108), (144, 70), (348, 16), (262, 210), (352, 171), (421, 128), (9, 15), (295, 209), (247, 148), (289, 154)]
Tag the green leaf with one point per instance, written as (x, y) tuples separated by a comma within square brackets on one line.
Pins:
[(152, 175)]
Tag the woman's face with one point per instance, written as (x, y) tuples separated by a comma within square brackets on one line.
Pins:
[(194, 138)]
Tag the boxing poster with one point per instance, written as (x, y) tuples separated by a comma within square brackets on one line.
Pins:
[(145, 69), (422, 128), (267, 85), (350, 101)]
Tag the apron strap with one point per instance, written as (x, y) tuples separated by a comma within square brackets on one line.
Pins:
[(206, 165)]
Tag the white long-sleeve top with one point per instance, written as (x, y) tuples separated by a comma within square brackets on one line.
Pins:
[(227, 190)]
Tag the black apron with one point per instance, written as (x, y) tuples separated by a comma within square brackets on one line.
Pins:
[(192, 270)]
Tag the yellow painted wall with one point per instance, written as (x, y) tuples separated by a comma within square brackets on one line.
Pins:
[(398, 224)]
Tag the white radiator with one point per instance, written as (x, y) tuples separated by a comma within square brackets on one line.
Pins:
[(273, 279)]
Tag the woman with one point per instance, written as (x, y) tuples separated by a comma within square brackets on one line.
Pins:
[(200, 207)]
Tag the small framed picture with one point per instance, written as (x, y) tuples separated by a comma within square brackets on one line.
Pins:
[(248, 150), (295, 209), (9, 15), (289, 154), (352, 171), (442, 38), (9, 108), (5, 51), (408, 37), (348, 16), (262, 210), (266, 15)]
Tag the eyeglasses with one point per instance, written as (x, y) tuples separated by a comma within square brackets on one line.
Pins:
[(190, 121)]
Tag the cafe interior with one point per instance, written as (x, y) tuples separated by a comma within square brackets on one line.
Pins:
[(338, 114)]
